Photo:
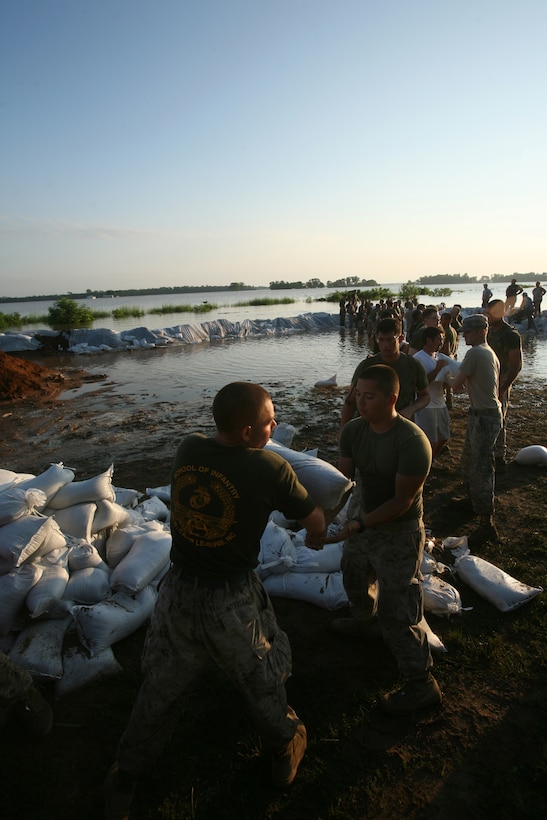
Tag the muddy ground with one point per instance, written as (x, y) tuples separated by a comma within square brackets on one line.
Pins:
[(482, 754)]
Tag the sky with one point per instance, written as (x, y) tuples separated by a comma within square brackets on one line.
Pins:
[(151, 143)]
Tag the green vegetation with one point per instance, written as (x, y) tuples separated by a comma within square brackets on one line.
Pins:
[(204, 307), (411, 289), (265, 301), (68, 312), (8, 320), (372, 294), (126, 312), (282, 285)]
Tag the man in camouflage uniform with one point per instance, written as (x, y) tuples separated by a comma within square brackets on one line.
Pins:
[(211, 603), (479, 373), (386, 538), (506, 343)]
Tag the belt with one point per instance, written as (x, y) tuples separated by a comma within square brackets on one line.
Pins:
[(213, 581), (487, 411)]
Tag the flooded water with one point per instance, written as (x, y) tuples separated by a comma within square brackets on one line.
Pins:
[(193, 373)]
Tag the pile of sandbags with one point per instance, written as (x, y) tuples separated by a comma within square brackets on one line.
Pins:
[(80, 562)]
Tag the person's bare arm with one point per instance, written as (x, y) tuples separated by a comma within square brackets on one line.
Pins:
[(457, 383), (515, 366), (422, 400), (315, 526), (406, 488)]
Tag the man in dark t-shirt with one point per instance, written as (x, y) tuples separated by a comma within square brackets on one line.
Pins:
[(211, 604)]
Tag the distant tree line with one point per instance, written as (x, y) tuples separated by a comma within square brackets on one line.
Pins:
[(464, 278)]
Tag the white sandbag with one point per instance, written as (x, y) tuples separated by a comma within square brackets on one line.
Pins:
[(20, 539), (322, 589), (495, 585), (435, 643), (83, 555), (284, 434), (39, 648), (152, 508), (324, 560), (75, 520), (164, 493), (533, 456), (277, 552), (120, 541), (146, 558), (109, 514), (16, 502), (331, 382), (440, 597), (50, 481), (49, 589), (88, 586), (103, 624), (14, 588), (8, 479), (55, 540), (429, 565), (446, 374), (79, 492), (126, 498), (80, 670), (326, 485)]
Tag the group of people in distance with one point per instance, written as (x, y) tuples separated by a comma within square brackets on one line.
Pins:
[(211, 604)]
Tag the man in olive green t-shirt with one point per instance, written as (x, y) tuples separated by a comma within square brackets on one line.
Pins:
[(386, 539)]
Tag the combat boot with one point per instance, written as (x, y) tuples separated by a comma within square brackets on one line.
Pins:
[(286, 761), (417, 693), (486, 531)]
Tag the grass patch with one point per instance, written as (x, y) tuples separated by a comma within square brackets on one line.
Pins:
[(265, 301), (127, 312)]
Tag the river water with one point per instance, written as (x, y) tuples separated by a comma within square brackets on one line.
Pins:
[(193, 373)]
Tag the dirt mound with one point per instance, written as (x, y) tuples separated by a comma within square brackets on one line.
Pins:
[(20, 379)]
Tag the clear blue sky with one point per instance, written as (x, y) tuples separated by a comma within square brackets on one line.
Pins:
[(172, 142)]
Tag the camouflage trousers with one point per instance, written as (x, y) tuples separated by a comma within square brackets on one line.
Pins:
[(478, 461), (393, 558), (14, 682), (191, 625), (501, 442)]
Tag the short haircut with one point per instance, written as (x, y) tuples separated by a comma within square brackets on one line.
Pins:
[(384, 377), (429, 311), (237, 405), (430, 333), (494, 302), (389, 325)]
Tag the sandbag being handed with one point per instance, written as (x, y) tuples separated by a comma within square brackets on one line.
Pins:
[(326, 485)]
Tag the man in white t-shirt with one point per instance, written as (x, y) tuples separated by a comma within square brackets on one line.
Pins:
[(434, 419)]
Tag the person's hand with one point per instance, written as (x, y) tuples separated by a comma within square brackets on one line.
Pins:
[(315, 540)]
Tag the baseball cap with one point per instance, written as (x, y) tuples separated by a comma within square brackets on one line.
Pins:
[(476, 320)]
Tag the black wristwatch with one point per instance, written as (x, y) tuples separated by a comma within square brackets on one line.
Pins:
[(362, 525)]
